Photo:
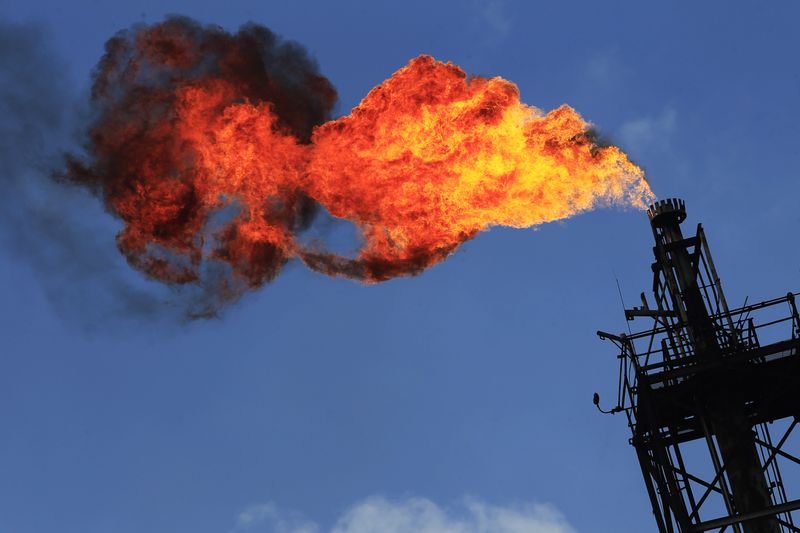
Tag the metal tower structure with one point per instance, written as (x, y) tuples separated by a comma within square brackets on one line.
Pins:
[(703, 387)]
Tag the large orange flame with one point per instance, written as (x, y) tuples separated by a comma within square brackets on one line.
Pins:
[(430, 158), (194, 121)]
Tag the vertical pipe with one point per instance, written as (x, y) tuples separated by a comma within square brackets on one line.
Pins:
[(722, 413)]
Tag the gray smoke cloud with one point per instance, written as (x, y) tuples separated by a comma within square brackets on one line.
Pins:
[(57, 230)]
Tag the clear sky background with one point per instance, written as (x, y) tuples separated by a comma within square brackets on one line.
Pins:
[(460, 395)]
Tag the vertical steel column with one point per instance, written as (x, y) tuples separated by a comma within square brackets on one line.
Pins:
[(725, 417)]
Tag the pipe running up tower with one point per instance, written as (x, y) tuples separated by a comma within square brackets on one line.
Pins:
[(700, 374)]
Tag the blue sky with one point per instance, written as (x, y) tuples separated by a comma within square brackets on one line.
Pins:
[(457, 399)]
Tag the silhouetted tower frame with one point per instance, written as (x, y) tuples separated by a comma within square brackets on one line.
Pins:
[(701, 374)]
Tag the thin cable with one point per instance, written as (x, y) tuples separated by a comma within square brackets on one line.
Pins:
[(622, 300)]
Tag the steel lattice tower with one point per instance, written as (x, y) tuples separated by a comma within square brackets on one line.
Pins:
[(701, 375)]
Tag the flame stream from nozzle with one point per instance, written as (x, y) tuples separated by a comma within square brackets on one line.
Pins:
[(193, 119)]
